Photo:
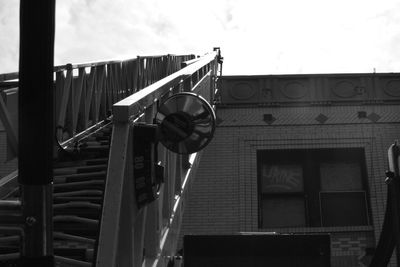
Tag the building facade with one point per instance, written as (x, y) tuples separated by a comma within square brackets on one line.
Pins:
[(300, 154)]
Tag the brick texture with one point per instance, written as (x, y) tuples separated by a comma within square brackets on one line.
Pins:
[(224, 200)]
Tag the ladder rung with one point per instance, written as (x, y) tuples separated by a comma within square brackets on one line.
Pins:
[(63, 199), (86, 162), (96, 143), (77, 204), (9, 256), (10, 217), (11, 229), (10, 204), (72, 262), (71, 218), (78, 184), (79, 193), (79, 169), (63, 178), (61, 235), (10, 239)]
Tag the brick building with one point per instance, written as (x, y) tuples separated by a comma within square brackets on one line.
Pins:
[(299, 154)]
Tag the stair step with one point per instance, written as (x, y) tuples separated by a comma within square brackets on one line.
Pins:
[(84, 185), (79, 193), (79, 169), (75, 219), (79, 177), (69, 237), (78, 188), (93, 143), (9, 250), (6, 240), (94, 149), (80, 212), (77, 204), (92, 199), (82, 162), (71, 262), (98, 138), (75, 225), (14, 204), (9, 256)]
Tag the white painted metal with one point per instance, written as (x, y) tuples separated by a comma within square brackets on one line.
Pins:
[(131, 105), (109, 232), (126, 232)]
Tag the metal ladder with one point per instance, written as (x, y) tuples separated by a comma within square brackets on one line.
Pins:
[(79, 178), (93, 224)]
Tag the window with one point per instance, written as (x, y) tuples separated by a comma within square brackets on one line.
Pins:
[(319, 187)]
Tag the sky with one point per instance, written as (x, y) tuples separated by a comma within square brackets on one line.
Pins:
[(255, 36)]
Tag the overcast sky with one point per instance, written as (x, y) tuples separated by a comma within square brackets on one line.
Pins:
[(256, 37)]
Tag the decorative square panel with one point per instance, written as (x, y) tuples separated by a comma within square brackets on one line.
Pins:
[(373, 117), (321, 118), (269, 118)]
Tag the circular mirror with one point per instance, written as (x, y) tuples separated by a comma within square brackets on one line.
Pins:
[(186, 123)]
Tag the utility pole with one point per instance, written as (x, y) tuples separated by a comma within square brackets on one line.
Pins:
[(390, 233), (36, 129)]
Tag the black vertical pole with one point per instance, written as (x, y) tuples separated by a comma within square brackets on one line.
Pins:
[(36, 63), (396, 198)]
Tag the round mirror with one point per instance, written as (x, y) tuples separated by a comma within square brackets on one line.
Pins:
[(187, 123)]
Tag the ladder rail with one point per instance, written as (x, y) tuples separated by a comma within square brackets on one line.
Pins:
[(151, 227), (82, 95)]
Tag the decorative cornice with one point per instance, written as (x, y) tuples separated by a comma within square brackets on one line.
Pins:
[(311, 89)]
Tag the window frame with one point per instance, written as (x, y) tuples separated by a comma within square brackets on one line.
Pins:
[(310, 160)]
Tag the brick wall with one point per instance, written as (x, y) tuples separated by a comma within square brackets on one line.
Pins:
[(224, 200)]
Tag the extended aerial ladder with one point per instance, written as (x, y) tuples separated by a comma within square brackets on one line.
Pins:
[(90, 209), (94, 205)]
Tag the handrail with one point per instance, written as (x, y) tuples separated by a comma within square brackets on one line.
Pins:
[(133, 104), (125, 231), (84, 99), (107, 62), (88, 97), (14, 75), (189, 62)]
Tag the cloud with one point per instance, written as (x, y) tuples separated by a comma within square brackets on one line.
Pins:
[(256, 36), (120, 28), (313, 37), (9, 37)]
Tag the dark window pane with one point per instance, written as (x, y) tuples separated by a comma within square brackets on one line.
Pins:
[(281, 178), (343, 209), (340, 176), (283, 212)]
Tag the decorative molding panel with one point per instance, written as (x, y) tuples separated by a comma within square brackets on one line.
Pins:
[(294, 90), (392, 88), (242, 91), (344, 89), (315, 89)]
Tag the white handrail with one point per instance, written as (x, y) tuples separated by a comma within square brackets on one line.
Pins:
[(133, 104)]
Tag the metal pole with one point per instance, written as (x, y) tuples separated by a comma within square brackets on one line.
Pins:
[(36, 129), (396, 198)]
